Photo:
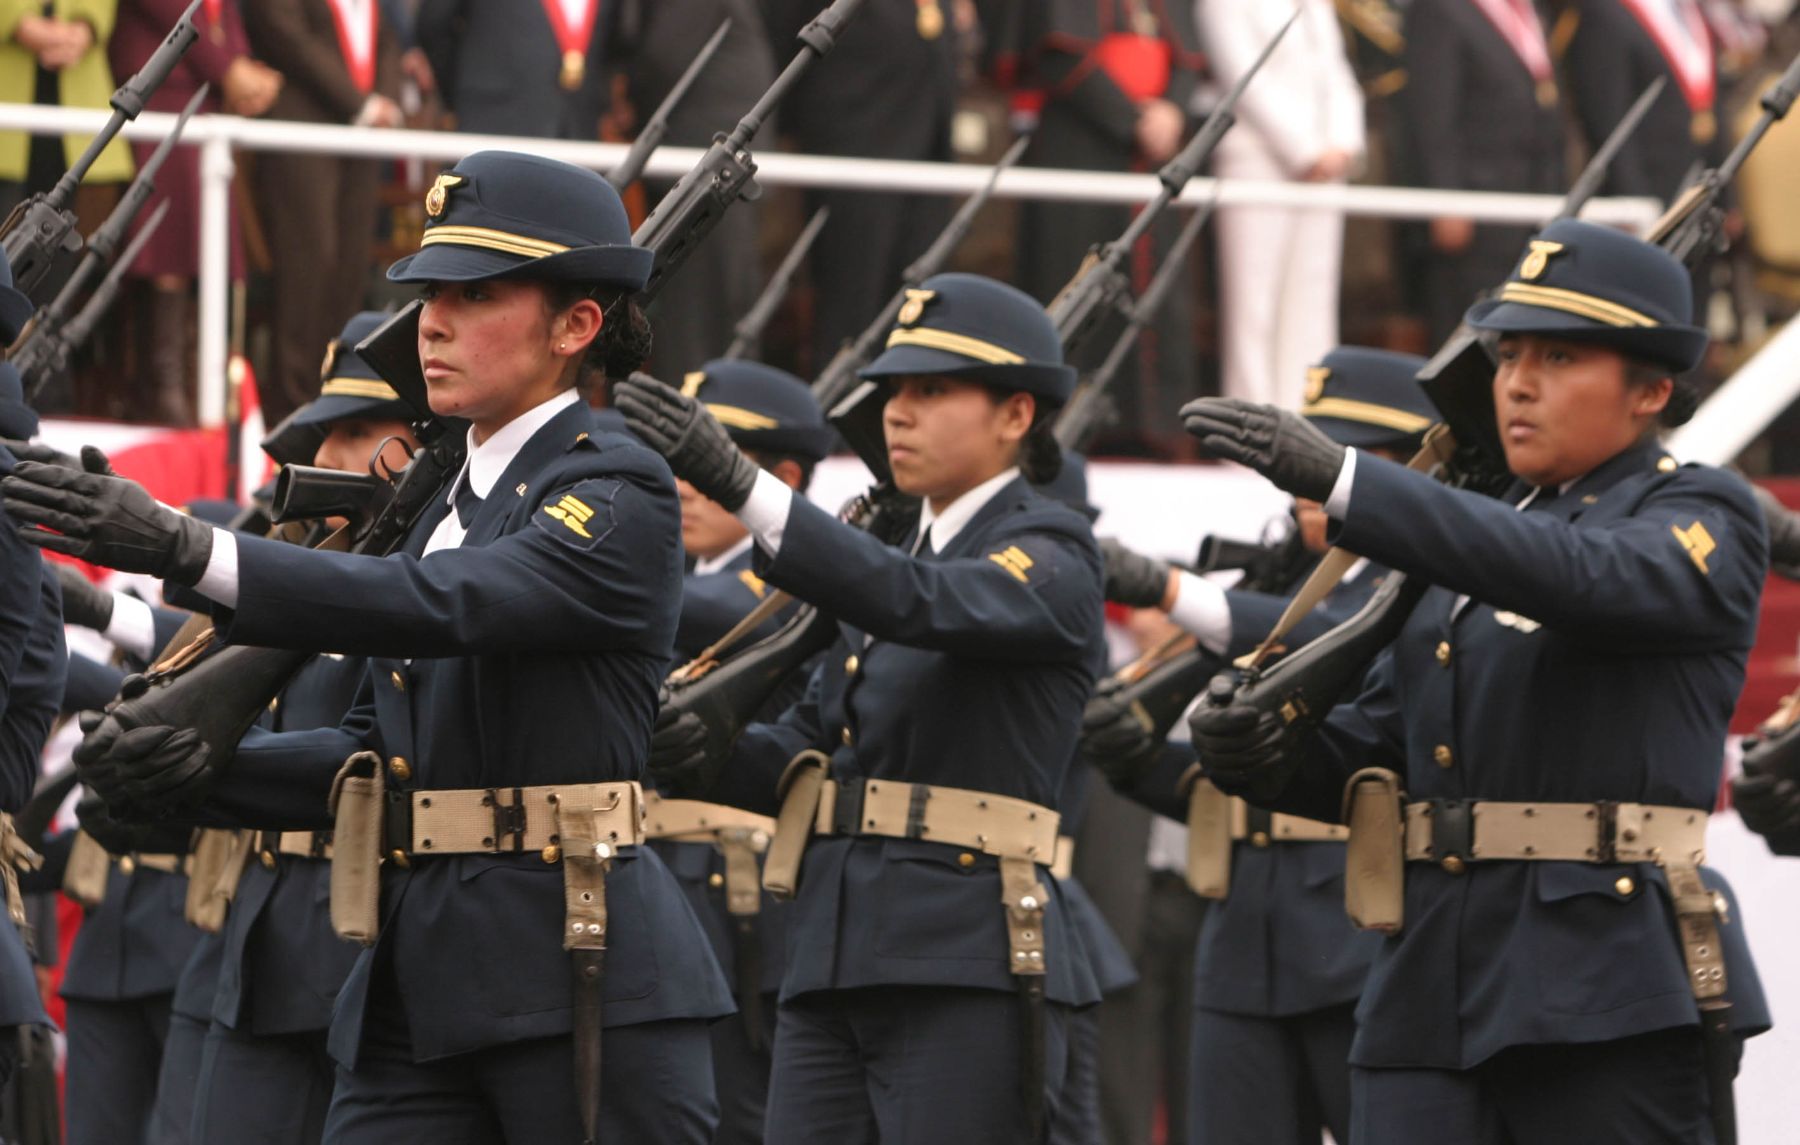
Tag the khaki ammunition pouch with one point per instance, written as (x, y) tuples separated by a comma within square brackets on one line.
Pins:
[(217, 865), (15, 856), (740, 836), (1374, 864), (1217, 820), (357, 797), (84, 879)]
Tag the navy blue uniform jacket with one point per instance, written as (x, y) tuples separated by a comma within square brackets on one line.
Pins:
[(1599, 658), (530, 655), (965, 674)]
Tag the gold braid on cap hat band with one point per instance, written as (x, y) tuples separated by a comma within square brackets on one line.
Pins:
[(487, 239), (1574, 302), (1369, 413), (954, 343), (739, 418), (358, 388)]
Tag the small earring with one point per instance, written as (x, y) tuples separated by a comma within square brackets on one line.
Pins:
[(559, 347)]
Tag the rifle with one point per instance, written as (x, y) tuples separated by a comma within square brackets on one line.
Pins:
[(657, 126), (845, 397), (1100, 285), (1459, 379), (35, 355), (727, 171), (749, 329), (49, 352), (1090, 408), (39, 236)]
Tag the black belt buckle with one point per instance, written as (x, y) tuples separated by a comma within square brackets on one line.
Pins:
[(509, 819), (847, 813), (1606, 832), (396, 822), (1259, 826), (1452, 833)]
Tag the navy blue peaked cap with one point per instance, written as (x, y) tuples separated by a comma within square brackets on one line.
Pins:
[(17, 420), (975, 329), (15, 308), (1581, 281), (349, 386), (506, 214), (1368, 398), (761, 407)]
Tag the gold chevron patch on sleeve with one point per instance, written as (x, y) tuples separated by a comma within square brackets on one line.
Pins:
[(1014, 560), (573, 512), (1697, 541), (754, 583)]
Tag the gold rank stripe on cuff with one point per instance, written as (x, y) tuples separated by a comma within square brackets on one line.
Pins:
[(488, 239), (358, 388), (1369, 413), (956, 344), (1576, 303), (1014, 561), (739, 418)]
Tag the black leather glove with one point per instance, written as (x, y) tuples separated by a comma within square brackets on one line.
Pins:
[(1243, 750), (1282, 446), (1770, 806), (85, 604), (49, 455), (106, 520), (1114, 738), (1132, 578), (679, 761), (686, 433), (122, 835), (1784, 534), (145, 772)]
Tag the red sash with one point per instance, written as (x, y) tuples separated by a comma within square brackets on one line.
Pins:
[(359, 50), (1686, 46), (573, 26), (1139, 65)]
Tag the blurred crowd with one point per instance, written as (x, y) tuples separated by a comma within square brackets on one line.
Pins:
[(1492, 95)]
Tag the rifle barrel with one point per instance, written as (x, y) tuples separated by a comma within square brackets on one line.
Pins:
[(750, 327), (657, 126), (1587, 184)]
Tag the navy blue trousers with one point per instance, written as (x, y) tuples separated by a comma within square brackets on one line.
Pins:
[(1643, 1090), (262, 1090), (907, 1065), (741, 1076), (115, 1054), (172, 1118), (1270, 1081)]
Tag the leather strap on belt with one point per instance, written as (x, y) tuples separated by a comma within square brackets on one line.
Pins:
[(218, 864), (15, 856), (586, 824), (295, 844), (1216, 820), (1063, 866), (84, 878), (1452, 833)]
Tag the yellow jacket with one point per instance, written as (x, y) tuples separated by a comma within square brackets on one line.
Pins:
[(86, 83)]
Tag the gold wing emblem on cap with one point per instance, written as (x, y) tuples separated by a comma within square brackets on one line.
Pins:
[(1315, 382), (913, 308), (1538, 258), (329, 366), (691, 383), (438, 198)]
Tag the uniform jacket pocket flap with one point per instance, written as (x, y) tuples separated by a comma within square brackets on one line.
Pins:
[(1621, 882)]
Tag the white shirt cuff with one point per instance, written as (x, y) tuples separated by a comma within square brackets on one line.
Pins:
[(1338, 503), (220, 581), (765, 511), (132, 629), (1201, 611)]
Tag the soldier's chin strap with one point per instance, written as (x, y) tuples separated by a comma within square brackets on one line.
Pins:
[(1435, 451)]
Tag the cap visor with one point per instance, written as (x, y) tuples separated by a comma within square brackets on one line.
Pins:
[(337, 407)]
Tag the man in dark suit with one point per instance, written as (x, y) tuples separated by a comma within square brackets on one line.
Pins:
[(1482, 114), (519, 68), (318, 211)]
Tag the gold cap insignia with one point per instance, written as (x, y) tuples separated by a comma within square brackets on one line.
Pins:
[(437, 199), (691, 383), (913, 308), (329, 366), (1538, 258), (1315, 382)]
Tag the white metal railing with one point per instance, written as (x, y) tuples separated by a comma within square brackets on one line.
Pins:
[(218, 135)]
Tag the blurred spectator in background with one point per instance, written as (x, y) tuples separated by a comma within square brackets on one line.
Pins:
[(1619, 47), (656, 41), (340, 63), (54, 52), (164, 367), (1481, 113), (524, 67), (1300, 120), (1110, 82), (887, 91)]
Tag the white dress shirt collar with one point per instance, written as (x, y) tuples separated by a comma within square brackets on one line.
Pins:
[(705, 565), (943, 527), (488, 460)]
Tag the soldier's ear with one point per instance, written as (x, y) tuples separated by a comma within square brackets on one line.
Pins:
[(576, 327), (1017, 411)]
